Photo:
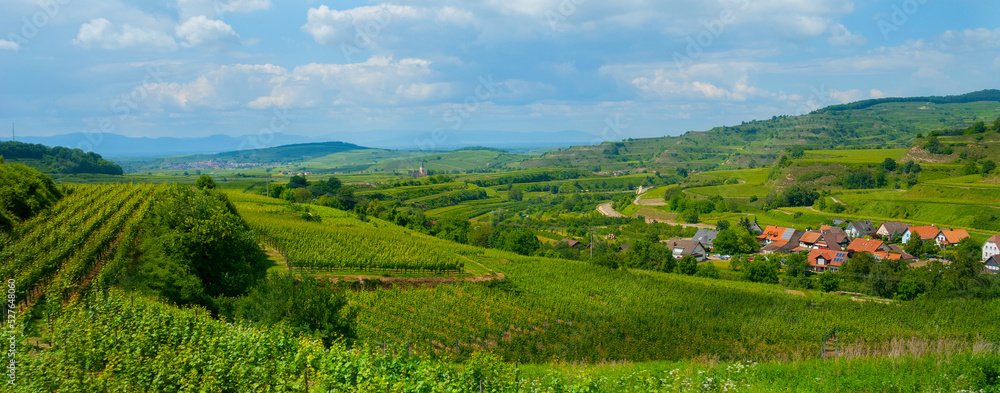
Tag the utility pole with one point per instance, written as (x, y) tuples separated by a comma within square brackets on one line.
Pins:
[(591, 243)]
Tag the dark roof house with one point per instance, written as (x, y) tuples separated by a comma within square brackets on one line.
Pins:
[(705, 237), (856, 229)]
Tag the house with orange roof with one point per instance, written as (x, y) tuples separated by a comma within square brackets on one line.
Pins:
[(866, 245), (991, 247), (773, 234), (951, 237), (823, 260), (811, 239), (926, 233)]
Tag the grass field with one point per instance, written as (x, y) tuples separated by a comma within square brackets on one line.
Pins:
[(869, 156)]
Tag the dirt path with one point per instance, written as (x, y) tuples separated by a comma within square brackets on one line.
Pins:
[(794, 292)]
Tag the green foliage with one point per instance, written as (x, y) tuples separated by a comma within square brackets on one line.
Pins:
[(707, 270), (760, 271), (515, 194), (915, 246), (688, 265), (309, 306), (195, 245), (518, 240), (735, 241), (970, 168), (797, 264), (888, 165), (988, 166), (205, 182), (829, 281), (797, 196), (59, 159), (24, 192)]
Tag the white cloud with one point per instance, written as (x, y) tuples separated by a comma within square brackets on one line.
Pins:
[(840, 36), (380, 81), (8, 45), (847, 96), (328, 26), (102, 33), (216, 8), (875, 93), (200, 30)]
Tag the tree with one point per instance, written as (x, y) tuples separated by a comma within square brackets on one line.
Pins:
[(797, 264), (988, 166), (721, 225), (669, 264), (888, 165), (996, 125), (707, 270), (302, 195), (970, 168), (965, 261), (909, 288), (520, 240), (978, 127), (690, 216), (760, 271), (515, 194), (297, 182), (915, 246), (205, 181), (688, 265), (829, 281), (859, 266), (726, 242), (881, 280)]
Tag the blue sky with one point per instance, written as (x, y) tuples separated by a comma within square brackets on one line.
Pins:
[(652, 67)]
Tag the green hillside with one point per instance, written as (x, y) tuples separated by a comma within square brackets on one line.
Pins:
[(889, 123), (271, 155), (57, 160)]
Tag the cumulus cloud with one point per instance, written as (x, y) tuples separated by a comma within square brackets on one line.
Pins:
[(379, 81), (327, 25), (200, 30), (8, 45), (102, 33), (840, 36), (216, 8)]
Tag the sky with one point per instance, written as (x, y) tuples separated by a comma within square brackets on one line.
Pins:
[(614, 69)]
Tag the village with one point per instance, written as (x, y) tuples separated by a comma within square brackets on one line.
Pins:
[(831, 246)]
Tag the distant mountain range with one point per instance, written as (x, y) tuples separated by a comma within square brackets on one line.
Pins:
[(119, 146)]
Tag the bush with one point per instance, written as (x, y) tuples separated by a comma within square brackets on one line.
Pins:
[(707, 270), (829, 282), (688, 265), (760, 271)]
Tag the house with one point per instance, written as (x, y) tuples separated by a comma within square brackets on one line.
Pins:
[(705, 237), (866, 245), (682, 248), (624, 247), (609, 236), (894, 249), (993, 265), (823, 260), (856, 229), (835, 238), (889, 229), (572, 243), (812, 239), (755, 229), (991, 247), (779, 247), (838, 222), (950, 237), (926, 232), (775, 233)]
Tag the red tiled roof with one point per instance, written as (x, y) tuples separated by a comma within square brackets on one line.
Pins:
[(926, 232), (995, 239), (810, 237), (955, 235), (830, 255), (865, 245)]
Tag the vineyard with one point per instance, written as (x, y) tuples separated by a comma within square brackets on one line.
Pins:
[(59, 252), (578, 312), (339, 241)]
